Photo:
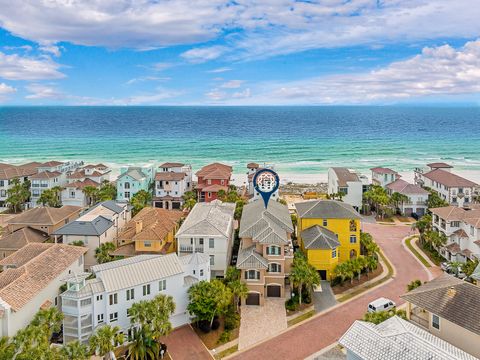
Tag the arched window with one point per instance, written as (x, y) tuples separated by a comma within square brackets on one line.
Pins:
[(127, 185), (353, 254), (353, 225)]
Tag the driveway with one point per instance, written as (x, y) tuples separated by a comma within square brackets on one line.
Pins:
[(183, 343), (323, 298), (325, 329), (261, 322)]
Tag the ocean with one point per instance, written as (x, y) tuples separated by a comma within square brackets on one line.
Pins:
[(301, 142)]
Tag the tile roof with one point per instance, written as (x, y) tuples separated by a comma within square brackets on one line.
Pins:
[(51, 163), (137, 270), (83, 184), (318, 237), (215, 171), (45, 215), (8, 172), (36, 265), (454, 213), (253, 165), (453, 248), (45, 175), (249, 258), (326, 209), (22, 237), (95, 227), (269, 226), (461, 233), (403, 187), (383, 170), (397, 339), (170, 176), (448, 179), (209, 219), (156, 224), (345, 175), (439, 165), (171, 165), (213, 188), (450, 298)]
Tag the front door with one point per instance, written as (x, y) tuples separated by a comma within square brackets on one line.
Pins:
[(274, 290), (253, 299), (323, 274)]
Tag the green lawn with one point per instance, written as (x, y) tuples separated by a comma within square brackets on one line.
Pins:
[(301, 318), (226, 352), (415, 252)]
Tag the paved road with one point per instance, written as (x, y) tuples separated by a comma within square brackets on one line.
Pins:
[(321, 331)]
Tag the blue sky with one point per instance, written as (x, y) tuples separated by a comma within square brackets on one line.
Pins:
[(213, 52)]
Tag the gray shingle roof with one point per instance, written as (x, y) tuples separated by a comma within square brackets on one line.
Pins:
[(450, 298), (209, 219), (135, 173), (249, 258), (88, 228), (326, 209), (397, 339), (317, 237), (110, 205)]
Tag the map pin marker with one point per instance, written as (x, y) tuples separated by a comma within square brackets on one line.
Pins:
[(266, 182)]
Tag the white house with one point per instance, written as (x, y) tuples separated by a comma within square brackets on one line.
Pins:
[(88, 304), (417, 197), (252, 170), (10, 172), (383, 176), (31, 279), (209, 229), (97, 226), (133, 179), (89, 175), (171, 182), (462, 228), (452, 188), (349, 183)]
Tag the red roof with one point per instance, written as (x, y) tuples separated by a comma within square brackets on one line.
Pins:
[(51, 163), (403, 187), (46, 175), (448, 179), (439, 165), (82, 184), (171, 165), (215, 171), (382, 170), (214, 188), (169, 176)]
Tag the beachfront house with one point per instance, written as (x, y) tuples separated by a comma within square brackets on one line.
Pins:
[(452, 188), (383, 176), (328, 232), (10, 172), (417, 197), (211, 179), (396, 338), (252, 170), (106, 299), (133, 179), (349, 183), (461, 226), (172, 180), (266, 251), (209, 229), (99, 225), (151, 231), (447, 307), (30, 280)]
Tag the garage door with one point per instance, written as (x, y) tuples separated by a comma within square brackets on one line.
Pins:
[(408, 211), (253, 299), (273, 291)]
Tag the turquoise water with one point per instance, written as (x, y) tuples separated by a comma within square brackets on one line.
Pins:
[(303, 140)]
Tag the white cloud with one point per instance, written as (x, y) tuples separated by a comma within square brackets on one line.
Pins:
[(146, 78), (232, 84), (242, 94), (155, 98), (43, 91), (200, 55), (219, 70), (216, 95), (26, 48), (6, 90), (160, 66), (16, 67), (51, 49)]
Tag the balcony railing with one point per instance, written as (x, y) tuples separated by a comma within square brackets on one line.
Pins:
[(190, 248)]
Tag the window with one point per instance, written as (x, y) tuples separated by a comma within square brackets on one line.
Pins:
[(100, 318), (252, 275), (455, 224), (212, 259), (72, 194), (273, 250), (353, 225), (146, 289), (113, 316), (454, 199), (435, 322), (201, 272), (128, 312), (99, 297), (147, 243), (325, 222), (276, 268), (209, 182), (211, 243), (130, 294), (162, 285), (353, 239), (127, 185), (334, 253), (200, 241), (472, 230), (113, 299), (127, 194), (209, 195)]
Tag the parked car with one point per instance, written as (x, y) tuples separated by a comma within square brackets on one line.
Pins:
[(445, 266), (381, 304)]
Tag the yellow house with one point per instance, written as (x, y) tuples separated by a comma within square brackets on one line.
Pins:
[(328, 232), (151, 231)]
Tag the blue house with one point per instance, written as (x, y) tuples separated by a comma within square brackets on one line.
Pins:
[(133, 179)]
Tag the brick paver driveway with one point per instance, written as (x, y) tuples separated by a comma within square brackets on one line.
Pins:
[(261, 322), (323, 330), (183, 343)]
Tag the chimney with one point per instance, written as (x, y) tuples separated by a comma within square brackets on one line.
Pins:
[(138, 226), (451, 292)]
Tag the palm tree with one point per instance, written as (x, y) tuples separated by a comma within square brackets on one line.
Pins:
[(143, 346), (163, 306), (299, 273), (91, 193), (312, 279), (397, 198), (49, 321), (189, 204), (360, 264), (239, 291), (107, 191), (371, 264), (7, 348), (75, 351), (18, 194), (140, 200), (105, 339), (102, 253), (339, 271)]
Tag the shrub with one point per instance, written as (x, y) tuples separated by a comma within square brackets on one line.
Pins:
[(292, 304), (204, 325), (225, 337), (215, 324), (232, 321)]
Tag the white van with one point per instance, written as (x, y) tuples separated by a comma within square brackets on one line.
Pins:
[(381, 304)]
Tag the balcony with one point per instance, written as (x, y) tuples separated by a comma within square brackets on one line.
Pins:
[(191, 248), (420, 317)]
